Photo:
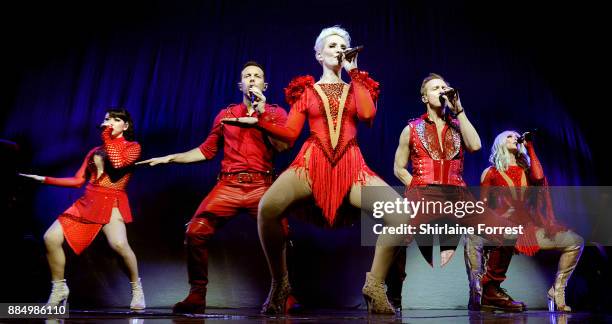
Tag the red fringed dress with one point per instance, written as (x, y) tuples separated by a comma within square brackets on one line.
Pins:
[(330, 158), (82, 221), (530, 208)]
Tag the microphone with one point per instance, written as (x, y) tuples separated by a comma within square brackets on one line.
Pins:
[(349, 54), (451, 94), (251, 95), (527, 136)]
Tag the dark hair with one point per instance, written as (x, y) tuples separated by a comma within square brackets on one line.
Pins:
[(252, 63), (124, 115)]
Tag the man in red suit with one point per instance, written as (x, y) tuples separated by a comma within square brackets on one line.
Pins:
[(246, 174)]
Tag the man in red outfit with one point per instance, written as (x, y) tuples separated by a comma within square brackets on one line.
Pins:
[(434, 144), (246, 174)]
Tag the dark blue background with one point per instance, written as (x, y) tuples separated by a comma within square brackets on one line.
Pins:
[(175, 64)]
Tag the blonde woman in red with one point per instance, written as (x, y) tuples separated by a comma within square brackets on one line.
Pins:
[(329, 166), (514, 167)]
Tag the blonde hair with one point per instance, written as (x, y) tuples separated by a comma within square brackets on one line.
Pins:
[(431, 76), (500, 156), (329, 31)]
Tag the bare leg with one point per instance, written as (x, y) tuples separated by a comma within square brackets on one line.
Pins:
[(386, 244), (54, 237), (117, 239), (284, 191)]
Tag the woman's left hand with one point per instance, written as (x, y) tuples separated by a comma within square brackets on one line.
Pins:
[(348, 66), (33, 176)]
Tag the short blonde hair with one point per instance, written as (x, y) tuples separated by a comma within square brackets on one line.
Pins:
[(431, 76), (329, 31)]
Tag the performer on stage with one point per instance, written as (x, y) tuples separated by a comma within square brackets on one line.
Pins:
[(329, 165), (514, 167), (434, 144), (246, 174), (104, 206)]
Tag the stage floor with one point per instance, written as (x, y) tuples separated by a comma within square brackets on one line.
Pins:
[(243, 315)]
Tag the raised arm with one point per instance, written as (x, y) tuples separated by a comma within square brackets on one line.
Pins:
[(365, 91), (536, 172), (120, 153)]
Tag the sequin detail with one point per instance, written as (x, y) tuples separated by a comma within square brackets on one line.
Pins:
[(429, 138), (333, 91)]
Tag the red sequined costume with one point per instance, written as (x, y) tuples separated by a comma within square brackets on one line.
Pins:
[(432, 164), (437, 173), (330, 157), (511, 193), (82, 221)]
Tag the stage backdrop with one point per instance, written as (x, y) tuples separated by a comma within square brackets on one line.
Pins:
[(174, 65)]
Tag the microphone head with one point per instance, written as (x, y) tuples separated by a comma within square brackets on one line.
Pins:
[(352, 52), (526, 136), (251, 94), (442, 100)]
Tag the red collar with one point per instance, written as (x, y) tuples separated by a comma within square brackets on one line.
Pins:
[(447, 118)]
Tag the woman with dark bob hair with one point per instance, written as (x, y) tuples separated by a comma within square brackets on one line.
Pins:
[(104, 205)]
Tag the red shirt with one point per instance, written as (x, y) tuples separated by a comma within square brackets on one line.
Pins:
[(245, 149)]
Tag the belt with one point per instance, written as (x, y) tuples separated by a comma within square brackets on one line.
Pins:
[(246, 177)]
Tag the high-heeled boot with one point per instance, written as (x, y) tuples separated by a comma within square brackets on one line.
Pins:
[(138, 299), (567, 264), (278, 297), (59, 293), (395, 278), (375, 295), (473, 255)]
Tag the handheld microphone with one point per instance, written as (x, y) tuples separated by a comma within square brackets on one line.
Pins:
[(527, 136), (251, 95), (349, 54), (451, 94)]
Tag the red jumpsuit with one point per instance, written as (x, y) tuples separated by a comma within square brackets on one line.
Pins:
[(330, 157), (246, 174), (82, 221)]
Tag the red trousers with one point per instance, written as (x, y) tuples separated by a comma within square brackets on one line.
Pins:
[(227, 199)]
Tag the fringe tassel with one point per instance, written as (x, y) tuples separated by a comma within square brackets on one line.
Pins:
[(527, 243), (331, 183)]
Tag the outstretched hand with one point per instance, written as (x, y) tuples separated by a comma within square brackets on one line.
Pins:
[(33, 176), (241, 121), (156, 161)]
